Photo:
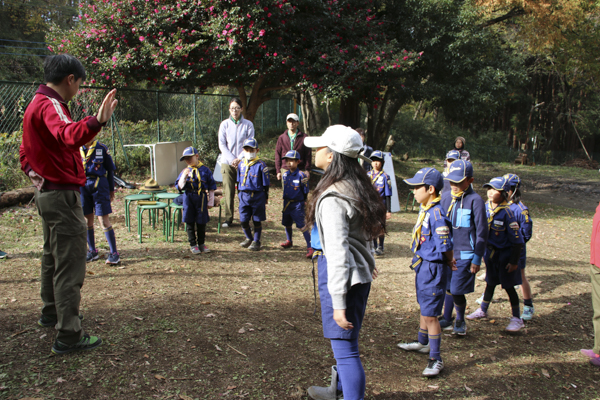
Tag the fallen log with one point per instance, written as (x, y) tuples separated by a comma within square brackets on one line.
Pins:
[(16, 197)]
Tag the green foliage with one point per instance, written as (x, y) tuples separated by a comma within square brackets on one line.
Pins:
[(11, 175)]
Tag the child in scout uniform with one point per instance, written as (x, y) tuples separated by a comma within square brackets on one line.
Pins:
[(198, 186), (432, 245), (451, 156), (466, 211), (502, 253), (295, 190), (253, 188), (381, 182), (521, 212), (96, 195)]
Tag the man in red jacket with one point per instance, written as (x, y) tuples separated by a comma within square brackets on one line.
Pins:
[(50, 156), (292, 139), (594, 354)]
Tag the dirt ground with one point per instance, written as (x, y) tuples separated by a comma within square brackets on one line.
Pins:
[(233, 324)]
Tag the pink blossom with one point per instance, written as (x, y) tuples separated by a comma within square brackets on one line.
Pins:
[(114, 58), (274, 54), (315, 85), (142, 38), (405, 58), (261, 33)]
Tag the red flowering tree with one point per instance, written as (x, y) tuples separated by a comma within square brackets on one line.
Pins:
[(257, 46)]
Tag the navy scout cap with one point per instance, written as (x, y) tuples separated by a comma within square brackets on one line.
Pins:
[(453, 155), (292, 154), (251, 143), (513, 180), (376, 155), (189, 151), (459, 170), (499, 183), (427, 176)]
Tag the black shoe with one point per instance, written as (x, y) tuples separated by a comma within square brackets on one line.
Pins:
[(247, 242), (49, 322), (254, 246), (87, 342)]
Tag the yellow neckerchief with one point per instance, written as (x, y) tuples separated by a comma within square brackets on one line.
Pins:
[(197, 173), (455, 197), (493, 212), (416, 234), (374, 179), (248, 164), (85, 157)]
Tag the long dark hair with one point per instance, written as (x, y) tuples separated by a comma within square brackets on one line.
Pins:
[(360, 188), (516, 197)]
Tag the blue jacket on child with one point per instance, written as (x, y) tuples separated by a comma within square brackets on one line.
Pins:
[(381, 182), (195, 199), (521, 212), (100, 171)]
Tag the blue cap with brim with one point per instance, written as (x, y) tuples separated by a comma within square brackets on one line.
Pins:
[(459, 170), (377, 155), (453, 155), (499, 183), (427, 176), (251, 143), (189, 151), (513, 180), (292, 154)]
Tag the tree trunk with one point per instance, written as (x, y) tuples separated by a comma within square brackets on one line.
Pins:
[(308, 113), (315, 108), (328, 112), (387, 113), (258, 96), (418, 110), (350, 112)]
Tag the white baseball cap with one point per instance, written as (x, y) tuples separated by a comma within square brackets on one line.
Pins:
[(292, 116), (341, 139)]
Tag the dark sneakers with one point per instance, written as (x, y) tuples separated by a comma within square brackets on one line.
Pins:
[(87, 342), (49, 322)]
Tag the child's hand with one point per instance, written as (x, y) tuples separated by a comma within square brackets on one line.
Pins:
[(512, 267), (266, 201), (388, 215), (475, 268), (112, 196), (452, 265), (339, 317)]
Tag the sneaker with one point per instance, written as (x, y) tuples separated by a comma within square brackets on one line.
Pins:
[(254, 246), (287, 244), (446, 325), (247, 242), (415, 346), (195, 250), (203, 248), (309, 252), (480, 300), (3, 254), (379, 251), (594, 358), (113, 258), (434, 367), (527, 313), (515, 324), (87, 342), (46, 321), (227, 224), (477, 314), (460, 328), (92, 255)]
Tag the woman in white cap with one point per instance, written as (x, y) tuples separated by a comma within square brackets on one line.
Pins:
[(292, 139), (346, 214)]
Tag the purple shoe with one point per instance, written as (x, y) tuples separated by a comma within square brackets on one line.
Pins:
[(515, 324), (477, 314), (594, 358)]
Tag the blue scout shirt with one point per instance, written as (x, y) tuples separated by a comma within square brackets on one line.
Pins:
[(504, 231), (381, 183), (257, 177), (521, 212), (295, 185), (469, 225), (436, 236), (193, 185), (98, 162)]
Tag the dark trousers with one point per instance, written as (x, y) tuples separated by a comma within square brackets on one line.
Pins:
[(63, 260)]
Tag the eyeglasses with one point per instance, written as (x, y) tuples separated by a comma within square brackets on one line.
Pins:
[(235, 109)]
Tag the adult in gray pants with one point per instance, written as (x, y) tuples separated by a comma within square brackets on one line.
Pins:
[(233, 132)]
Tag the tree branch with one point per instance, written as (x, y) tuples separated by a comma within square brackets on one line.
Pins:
[(515, 12)]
